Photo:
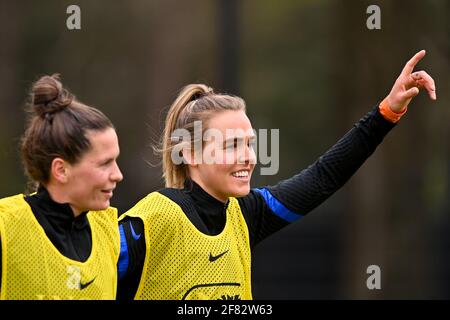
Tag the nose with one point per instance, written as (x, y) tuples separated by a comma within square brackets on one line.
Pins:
[(116, 174), (248, 156), (251, 155)]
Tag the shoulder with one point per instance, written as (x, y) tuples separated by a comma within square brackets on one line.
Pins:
[(252, 202), (12, 211), (155, 203), (12, 204), (165, 195), (109, 214)]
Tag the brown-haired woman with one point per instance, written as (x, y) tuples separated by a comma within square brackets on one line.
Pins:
[(193, 239), (61, 242)]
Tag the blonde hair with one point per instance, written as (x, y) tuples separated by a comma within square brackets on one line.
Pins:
[(195, 102)]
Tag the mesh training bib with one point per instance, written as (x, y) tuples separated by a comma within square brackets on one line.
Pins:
[(183, 263), (34, 269)]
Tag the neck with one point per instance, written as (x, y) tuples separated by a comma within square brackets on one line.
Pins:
[(58, 195), (209, 191)]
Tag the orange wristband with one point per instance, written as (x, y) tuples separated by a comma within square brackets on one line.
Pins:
[(388, 114)]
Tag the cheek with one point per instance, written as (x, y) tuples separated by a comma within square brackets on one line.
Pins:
[(214, 155), (222, 172), (216, 172), (101, 179), (229, 158), (93, 179), (224, 157)]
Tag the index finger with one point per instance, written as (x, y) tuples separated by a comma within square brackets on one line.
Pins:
[(409, 67)]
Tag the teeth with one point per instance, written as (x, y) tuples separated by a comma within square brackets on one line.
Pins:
[(240, 174)]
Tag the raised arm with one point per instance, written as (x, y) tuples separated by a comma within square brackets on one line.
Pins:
[(270, 208)]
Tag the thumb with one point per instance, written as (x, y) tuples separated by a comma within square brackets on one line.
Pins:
[(411, 93)]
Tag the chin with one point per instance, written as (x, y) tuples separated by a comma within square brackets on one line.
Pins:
[(102, 206), (105, 206), (241, 192)]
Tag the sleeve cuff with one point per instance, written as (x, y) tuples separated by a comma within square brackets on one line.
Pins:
[(388, 114)]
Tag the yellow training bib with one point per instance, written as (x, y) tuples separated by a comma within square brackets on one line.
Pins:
[(34, 269), (183, 263)]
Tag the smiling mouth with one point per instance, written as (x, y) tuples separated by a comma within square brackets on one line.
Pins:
[(108, 191), (241, 174)]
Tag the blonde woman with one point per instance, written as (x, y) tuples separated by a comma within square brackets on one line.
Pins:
[(193, 239)]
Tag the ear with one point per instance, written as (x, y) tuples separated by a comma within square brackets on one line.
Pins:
[(59, 170)]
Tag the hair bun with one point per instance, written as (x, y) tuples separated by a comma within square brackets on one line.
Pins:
[(49, 96)]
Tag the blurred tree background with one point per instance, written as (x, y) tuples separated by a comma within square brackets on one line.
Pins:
[(309, 68)]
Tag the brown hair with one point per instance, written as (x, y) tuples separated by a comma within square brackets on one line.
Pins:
[(195, 102), (57, 127)]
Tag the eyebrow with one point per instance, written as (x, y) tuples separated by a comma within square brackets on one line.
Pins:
[(240, 138), (110, 159), (229, 140)]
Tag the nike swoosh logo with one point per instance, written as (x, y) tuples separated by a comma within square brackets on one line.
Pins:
[(85, 285), (214, 258), (135, 236)]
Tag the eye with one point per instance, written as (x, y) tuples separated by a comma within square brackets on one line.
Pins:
[(231, 145), (107, 162)]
